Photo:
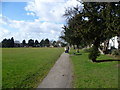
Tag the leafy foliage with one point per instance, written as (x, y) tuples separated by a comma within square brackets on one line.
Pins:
[(87, 50), (94, 53), (115, 52), (94, 24), (23, 43), (8, 42)]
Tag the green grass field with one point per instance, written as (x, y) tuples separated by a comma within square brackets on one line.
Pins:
[(26, 67), (94, 75)]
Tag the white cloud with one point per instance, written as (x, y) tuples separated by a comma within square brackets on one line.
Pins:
[(4, 33), (50, 10), (31, 14), (48, 25), (27, 30), (4, 20)]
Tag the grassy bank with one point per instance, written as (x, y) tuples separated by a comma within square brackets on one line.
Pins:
[(94, 75), (26, 67)]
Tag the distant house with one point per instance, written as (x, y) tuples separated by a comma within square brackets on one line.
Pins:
[(17, 43), (113, 42)]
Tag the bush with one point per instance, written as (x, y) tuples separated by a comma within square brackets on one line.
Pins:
[(88, 50), (115, 52), (108, 51), (94, 53)]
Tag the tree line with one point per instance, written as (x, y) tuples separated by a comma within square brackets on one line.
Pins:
[(9, 43), (93, 24)]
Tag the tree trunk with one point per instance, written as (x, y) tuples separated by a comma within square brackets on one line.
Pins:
[(105, 48), (78, 49), (101, 51), (74, 47)]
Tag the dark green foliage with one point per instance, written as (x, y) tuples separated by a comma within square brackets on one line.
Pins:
[(94, 53), (42, 43), (47, 42), (115, 52), (36, 43), (8, 42), (4, 43), (87, 50), (23, 43), (12, 42), (54, 43), (100, 25), (31, 43)]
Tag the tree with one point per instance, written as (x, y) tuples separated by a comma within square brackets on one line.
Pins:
[(8, 42), (4, 43), (23, 43), (12, 42), (92, 25), (42, 43), (54, 43), (115, 20), (47, 42), (31, 43), (36, 43)]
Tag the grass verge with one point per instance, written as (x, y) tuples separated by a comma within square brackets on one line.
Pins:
[(94, 75)]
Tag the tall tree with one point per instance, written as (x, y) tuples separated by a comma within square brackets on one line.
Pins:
[(92, 25), (4, 43), (23, 43), (47, 42), (54, 43), (8, 42), (12, 42), (42, 43), (31, 43), (36, 43)]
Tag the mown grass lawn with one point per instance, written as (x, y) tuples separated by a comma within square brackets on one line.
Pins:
[(26, 67), (94, 75)]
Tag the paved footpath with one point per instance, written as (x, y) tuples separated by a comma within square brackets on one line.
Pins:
[(60, 76)]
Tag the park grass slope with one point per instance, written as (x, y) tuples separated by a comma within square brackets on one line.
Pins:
[(94, 75), (26, 67)]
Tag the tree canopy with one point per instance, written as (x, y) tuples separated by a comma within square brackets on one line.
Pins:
[(93, 24)]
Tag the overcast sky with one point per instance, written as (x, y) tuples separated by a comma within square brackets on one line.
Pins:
[(36, 19)]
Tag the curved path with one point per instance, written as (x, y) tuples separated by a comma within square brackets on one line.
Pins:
[(60, 76)]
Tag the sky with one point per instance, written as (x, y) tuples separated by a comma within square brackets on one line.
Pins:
[(33, 19)]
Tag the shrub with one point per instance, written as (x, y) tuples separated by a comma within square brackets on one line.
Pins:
[(115, 52), (94, 53), (87, 49)]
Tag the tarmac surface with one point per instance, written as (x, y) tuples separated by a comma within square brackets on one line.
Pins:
[(60, 76)]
